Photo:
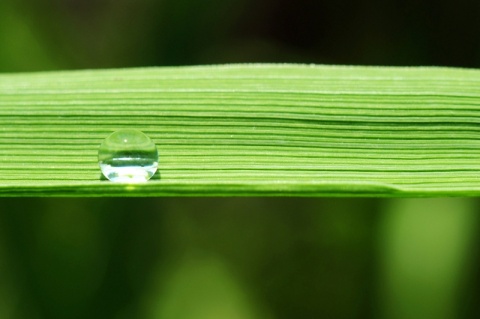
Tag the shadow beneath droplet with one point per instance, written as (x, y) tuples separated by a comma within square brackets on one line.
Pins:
[(156, 176), (102, 177)]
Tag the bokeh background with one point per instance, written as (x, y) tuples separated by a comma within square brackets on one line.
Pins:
[(238, 258)]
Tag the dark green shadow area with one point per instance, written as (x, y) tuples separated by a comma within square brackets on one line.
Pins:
[(254, 257)]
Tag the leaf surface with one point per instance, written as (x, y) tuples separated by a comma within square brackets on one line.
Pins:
[(235, 130)]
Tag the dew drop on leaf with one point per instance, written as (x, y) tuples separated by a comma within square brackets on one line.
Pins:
[(128, 156)]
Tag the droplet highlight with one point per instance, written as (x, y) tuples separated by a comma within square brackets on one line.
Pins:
[(128, 156)]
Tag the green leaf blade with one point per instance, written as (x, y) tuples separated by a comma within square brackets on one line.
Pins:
[(238, 130)]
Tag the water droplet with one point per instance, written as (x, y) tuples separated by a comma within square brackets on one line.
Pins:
[(128, 156)]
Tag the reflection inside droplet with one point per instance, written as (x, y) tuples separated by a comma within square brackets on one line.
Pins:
[(128, 156)]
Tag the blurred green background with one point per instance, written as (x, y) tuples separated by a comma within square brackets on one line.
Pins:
[(237, 258)]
